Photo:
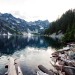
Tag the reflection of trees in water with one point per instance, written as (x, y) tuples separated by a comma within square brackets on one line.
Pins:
[(10, 45), (13, 43), (55, 43)]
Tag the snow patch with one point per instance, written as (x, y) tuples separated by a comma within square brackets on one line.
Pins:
[(41, 27), (9, 33), (17, 21), (6, 18)]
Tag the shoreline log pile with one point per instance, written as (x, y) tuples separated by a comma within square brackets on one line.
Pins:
[(63, 61)]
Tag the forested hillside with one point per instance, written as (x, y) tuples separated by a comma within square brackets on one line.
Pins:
[(65, 24)]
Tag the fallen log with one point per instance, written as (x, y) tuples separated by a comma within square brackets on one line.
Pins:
[(43, 69), (19, 71), (11, 67), (70, 67), (67, 69)]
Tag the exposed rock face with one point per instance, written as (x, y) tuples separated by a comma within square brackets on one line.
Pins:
[(22, 25)]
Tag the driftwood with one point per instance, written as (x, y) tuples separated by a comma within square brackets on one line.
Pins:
[(43, 69), (19, 71), (62, 50), (67, 69), (13, 68)]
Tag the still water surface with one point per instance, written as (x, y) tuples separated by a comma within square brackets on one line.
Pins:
[(30, 51)]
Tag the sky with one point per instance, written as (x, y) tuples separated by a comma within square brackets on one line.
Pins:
[(32, 10)]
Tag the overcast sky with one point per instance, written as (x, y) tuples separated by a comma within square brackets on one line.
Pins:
[(31, 10)]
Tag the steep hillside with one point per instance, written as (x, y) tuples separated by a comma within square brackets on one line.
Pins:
[(65, 25), (5, 28), (38, 26)]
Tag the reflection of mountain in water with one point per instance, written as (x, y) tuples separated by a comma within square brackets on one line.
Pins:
[(29, 51), (9, 45)]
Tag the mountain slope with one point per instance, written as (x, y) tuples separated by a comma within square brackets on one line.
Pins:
[(24, 26), (38, 26), (5, 28), (18, 23)]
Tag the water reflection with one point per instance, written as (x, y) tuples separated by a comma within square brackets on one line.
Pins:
[(29, 51), (9, 44), (29, 59), (54, 43)]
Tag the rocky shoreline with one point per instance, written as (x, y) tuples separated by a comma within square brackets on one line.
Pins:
[(63, 61)]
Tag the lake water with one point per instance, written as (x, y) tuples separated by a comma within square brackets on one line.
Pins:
[(30, 51)]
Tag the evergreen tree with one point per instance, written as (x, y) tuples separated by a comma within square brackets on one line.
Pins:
[(66, 24)]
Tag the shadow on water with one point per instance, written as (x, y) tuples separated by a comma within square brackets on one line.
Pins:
[(54, 43)]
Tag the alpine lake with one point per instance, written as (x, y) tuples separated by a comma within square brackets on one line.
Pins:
[(29, 50)]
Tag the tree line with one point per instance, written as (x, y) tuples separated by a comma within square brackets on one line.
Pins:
[(65, 24)]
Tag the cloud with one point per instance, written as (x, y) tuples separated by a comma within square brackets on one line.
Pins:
[(36, 9)]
